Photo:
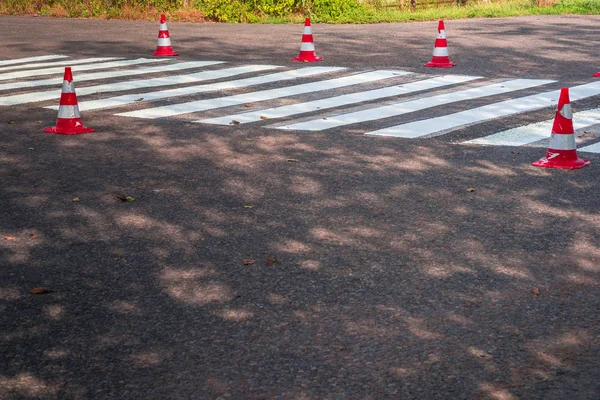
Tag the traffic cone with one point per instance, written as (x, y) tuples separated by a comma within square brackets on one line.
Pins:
[(69, 120), (562, 151), (440, 57), (597, 75), (307, 48), (163, 48)]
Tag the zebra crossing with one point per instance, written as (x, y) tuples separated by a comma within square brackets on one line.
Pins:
[(296, 98)]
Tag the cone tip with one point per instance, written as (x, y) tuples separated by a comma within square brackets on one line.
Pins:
[(163, 18), (307, 22), (68, 74), (441, 26), (564, 97)]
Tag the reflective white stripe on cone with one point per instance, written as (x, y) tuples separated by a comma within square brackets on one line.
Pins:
[(562, 149)]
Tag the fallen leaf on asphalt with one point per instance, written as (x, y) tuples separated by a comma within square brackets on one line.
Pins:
[(248, 206), (291, 160), (34, 236), (125, 198), (271, 260), (9, 238), (587, 134), (263, 117), (140, 99), (31, 148), (535, 291), (11, 122), (234, 122), (38, 122), (515, 152), (470, 190), (248, 261), (116, 258), (41, 290), (249, 105), (76, 199)]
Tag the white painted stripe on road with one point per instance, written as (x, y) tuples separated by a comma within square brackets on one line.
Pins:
[(406, 107), (240, 83), (531, 133), (116, 87), (81, 78), (592, 148), (479, 114), (24, 67), (209, 104), (157, 82), (30, 59), (77, 66), (338, 101)]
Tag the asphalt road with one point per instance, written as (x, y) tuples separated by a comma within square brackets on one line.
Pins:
[(376, 273)]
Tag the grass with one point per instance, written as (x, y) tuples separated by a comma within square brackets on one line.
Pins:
[(371, 11)]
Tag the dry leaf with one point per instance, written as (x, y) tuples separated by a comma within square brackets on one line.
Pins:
[(515, 152), (34, 236), (291, 160), (125, 198), (41, 290), (587, 134), (271, 260), (249, 105), (31, 148), (76, 199), (38, 122), (263, 117), (535, 291), (470, 190), (234, 122), (116, 258), (248, 206), (9, 238), (140, 99), (11, 122), (248, 261)]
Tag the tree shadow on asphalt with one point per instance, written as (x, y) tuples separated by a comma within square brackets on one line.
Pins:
[(392, 279)]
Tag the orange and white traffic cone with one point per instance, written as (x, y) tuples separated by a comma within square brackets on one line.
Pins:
[(440, 57), (69, 119), (597, 75), (307, 48), (163, 48), (562, 151)]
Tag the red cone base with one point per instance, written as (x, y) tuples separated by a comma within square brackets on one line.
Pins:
[(69, 126), (307, 56), (563, 159), (597, 75), (440, 62), (165, 51)]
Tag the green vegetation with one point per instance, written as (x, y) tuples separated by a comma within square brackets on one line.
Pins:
[(286, 11)]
